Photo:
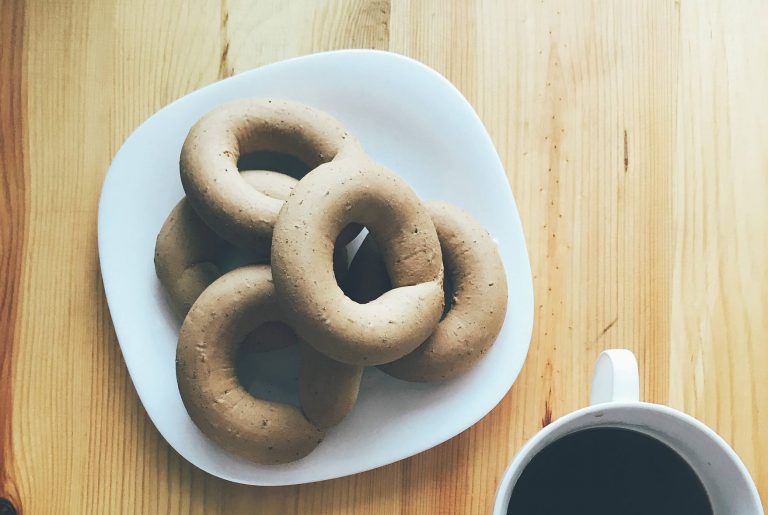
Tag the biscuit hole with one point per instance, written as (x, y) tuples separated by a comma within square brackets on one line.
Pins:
[(273, 161), (367, 278), (267, 363), (346, 243)]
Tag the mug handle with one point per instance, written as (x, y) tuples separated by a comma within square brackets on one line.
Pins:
[(616, 378)]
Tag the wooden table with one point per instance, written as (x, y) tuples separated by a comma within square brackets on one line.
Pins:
[(635, 135)]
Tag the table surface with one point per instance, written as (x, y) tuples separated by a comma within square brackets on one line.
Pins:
[(634, 138)]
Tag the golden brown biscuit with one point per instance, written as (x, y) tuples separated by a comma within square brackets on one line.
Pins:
[(259, 430), (476, 287), (320, 206), (188, 253), (188, 256), (215, 143)]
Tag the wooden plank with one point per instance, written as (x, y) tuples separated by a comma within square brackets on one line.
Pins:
[(94, 71), (578, 98), (13, 211), (720, 267), (265, 33), (262, 33)]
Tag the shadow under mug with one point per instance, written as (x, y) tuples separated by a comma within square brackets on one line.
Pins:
[(615, 402)]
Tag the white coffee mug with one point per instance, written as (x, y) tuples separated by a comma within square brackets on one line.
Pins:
[(616, 402)]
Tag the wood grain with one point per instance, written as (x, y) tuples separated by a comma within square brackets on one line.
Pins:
[(632, 133), (13, 215)]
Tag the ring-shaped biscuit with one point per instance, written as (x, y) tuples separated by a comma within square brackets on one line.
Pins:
[(262, 431), (320, 206), (210, 154), (476, 288), (188, 253), (188, 256)]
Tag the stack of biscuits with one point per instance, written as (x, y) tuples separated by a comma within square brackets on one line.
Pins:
[(423, 298)]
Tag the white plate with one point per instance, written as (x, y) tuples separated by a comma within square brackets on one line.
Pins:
[(409, 118)]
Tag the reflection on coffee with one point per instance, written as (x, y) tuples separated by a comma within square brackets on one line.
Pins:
[(608, 471)]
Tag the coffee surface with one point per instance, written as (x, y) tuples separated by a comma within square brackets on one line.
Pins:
[(608, 471)]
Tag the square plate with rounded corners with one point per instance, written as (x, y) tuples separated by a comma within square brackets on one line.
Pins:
[(410, 119)]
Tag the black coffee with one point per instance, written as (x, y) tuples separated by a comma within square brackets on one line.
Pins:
[(608, 471)]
